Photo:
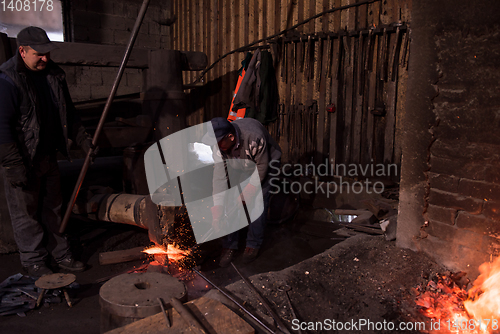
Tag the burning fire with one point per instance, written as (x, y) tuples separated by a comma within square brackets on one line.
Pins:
[(459, 311), (484, 297), (171, 251)]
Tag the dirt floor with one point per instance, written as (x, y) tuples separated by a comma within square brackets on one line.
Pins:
[(363, 277), (335, 274)]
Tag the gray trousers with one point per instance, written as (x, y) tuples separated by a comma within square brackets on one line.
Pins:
[(35, 213)]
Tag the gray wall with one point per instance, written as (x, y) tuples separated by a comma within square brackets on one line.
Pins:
[(110, 22)]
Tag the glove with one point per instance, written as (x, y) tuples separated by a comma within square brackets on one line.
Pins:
[(217, 213), (248, 194), (16, 175), (87, 146)]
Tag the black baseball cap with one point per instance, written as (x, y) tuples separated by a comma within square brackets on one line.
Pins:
[(36, 38), (222, 127)]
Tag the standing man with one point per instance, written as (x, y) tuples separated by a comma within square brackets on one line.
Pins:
[(243, 140), (37, 119)]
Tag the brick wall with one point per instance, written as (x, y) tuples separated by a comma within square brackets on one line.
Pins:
[(450, 176), (463, 201), (110, 22)]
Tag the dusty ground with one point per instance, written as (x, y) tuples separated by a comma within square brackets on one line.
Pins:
[(363, 277), (362, 280), (335, 274)]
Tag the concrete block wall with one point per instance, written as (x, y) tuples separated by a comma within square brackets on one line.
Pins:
[(111, 22), (95, 82)]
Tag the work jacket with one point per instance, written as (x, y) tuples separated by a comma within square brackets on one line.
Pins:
[(252, 154), (27, 125)]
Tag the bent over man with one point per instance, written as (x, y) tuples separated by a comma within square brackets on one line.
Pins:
[(37, 119), (243, 140)]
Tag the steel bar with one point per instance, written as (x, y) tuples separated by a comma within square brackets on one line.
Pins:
[(277, 319), (100, 125), (164, 312), (186, 315), (235, 302)]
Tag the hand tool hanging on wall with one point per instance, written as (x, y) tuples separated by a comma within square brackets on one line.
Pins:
[(360, 67), (383, 56), (321, 49), (307, 47), (329, 46), (283, 59), (294, 56), (393, 60), (302, 53), (310, 57), (406, 41), (368, 48), (379, 106), (100, 125)]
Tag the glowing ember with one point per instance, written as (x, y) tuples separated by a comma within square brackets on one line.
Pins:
[(457, 311), (172, 252), (484, 297)]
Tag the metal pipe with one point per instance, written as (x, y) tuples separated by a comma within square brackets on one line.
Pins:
[(164, 312), (235, 302), (277, 319), (86, 164), (186, 315)]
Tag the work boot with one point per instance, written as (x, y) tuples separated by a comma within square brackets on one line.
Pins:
[(70, 264), (226, 257), (250, 254), (37, 270)]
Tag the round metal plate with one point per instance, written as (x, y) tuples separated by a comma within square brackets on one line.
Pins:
[(135, 294), (55, 281)]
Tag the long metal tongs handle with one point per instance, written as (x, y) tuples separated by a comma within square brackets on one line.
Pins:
[(277, 319), (97, 132), (235, 302)]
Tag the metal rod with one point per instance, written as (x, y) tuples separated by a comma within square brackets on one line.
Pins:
[(280, 325), (186, 315), (164, 312), (235, 302), (86, 164)]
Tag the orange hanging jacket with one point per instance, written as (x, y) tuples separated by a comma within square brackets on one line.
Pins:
[(240, 113)]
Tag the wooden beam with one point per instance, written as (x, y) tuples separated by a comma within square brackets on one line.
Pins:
[(98, 55), (122, 256)]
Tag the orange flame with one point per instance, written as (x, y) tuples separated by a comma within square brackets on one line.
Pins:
[(172, 252), (475, 312), (484, 296)]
